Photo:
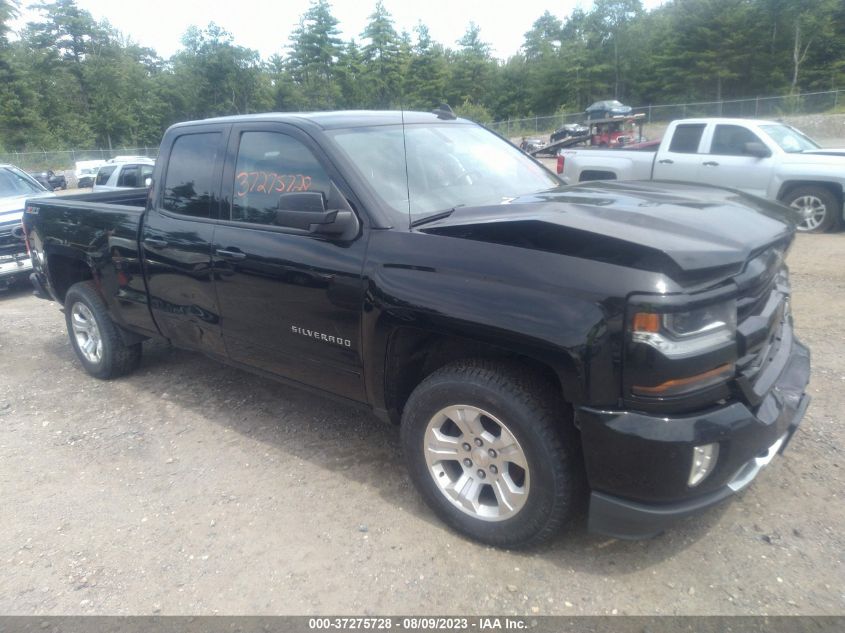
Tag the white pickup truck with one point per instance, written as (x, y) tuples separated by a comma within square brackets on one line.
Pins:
[(765, 158)]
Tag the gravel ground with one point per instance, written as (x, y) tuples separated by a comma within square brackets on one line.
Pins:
[(193, 488)]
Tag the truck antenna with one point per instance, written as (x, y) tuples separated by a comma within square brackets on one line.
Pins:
[(405, 152)]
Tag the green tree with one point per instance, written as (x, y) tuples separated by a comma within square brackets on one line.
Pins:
[(351, 77), (68, 32), (612, 18), (472, 68), (425, 82), (219, 77), (382, 71), (315, 49)]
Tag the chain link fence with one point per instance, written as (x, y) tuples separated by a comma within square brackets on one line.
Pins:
[(65, 160), (757, 107)]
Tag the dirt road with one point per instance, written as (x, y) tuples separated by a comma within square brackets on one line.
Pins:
[(193, 488)]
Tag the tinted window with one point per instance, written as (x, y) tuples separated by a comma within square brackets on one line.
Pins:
[(686, 138), (103, 174), (269, 166), (129, 176), (730, 140), (190, 184)]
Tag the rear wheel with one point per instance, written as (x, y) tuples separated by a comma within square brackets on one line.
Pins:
[(94, 337), (491, 452), (819, 208)]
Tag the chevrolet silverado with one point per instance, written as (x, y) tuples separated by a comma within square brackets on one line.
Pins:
[(630, 344)]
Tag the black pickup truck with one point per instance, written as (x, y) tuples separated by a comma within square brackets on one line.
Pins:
[(540, 345)]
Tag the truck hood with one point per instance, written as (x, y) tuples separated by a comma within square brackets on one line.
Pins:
[(832, 151), (831, 158), (693, 233), (11, 207)]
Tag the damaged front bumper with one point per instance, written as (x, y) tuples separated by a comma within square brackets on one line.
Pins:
[(638, 464)]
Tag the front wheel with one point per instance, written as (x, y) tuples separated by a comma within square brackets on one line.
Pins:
[(818, 207), (492, 453), (94, 337)]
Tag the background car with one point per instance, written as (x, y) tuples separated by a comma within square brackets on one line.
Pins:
[(532, 144), (569, 130), (15, 187), (128, 175), (607, 109), (86, 171), (50, 180)]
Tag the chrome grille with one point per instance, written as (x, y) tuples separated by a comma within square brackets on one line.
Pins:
[(10, 234), (762, 310)]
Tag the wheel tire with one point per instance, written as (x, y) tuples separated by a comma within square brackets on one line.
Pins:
[(115, 358), (800, 198), (534, 415)]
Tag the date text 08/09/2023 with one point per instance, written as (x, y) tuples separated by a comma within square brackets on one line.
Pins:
[(418, 623)]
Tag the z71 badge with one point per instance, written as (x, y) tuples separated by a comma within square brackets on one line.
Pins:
[(326, 338)]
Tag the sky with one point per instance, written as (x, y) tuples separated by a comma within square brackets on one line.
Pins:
[(265, 25)]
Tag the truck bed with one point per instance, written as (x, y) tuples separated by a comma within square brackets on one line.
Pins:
[(131, 198), (100, 231), (607, 164)]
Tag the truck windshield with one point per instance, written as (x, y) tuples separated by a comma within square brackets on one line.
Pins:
[(789, 139), (14, 183), (449, 165)]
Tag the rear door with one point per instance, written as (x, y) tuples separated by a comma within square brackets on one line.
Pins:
[(681, 160), (104, 174), (290, 301), (177, 236)]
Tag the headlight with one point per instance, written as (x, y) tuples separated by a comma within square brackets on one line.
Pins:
[(675, 351), (683, 334)]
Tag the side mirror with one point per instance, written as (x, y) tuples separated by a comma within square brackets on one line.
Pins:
[(302, 201), (148, 182), (306, 210), (757, 149)]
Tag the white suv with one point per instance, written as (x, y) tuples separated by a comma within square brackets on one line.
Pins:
[(124, 175)]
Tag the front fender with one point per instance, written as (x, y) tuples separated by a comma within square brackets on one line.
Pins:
[(491, 294)]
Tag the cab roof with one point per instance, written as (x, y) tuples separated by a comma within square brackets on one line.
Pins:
[(338, 119)]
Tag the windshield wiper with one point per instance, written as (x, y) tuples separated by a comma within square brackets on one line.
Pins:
[(431, 218)]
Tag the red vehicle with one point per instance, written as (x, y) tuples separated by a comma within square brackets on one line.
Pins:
[(616, 131)]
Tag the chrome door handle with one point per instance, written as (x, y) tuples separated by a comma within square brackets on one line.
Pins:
[(710, 163), (154, 242), (666, 161)]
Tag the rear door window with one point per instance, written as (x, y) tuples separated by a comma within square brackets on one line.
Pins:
[(104, 173), (190, 184), (687, 138)]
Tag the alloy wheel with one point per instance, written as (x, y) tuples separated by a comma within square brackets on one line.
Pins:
[(477, 462), (813, 211), (86, 332)]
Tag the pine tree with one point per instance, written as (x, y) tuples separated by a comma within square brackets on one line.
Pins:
[(383, 67), (425, 82), (315, 49)]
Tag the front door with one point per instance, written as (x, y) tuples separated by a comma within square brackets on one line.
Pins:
[(177, 237), (730, 165), (290, 301)]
